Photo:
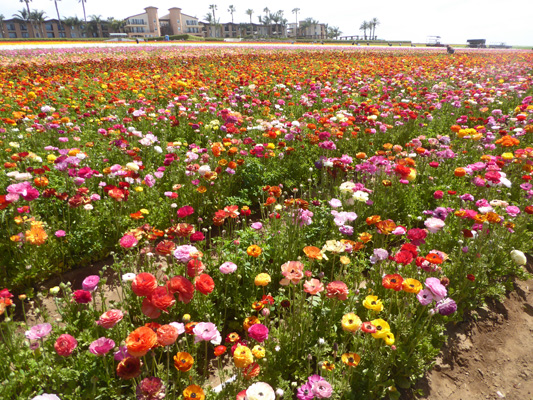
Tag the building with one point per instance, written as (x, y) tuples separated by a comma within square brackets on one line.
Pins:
[(149, 24), (52, 29)]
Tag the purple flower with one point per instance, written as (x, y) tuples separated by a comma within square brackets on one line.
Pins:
[(437, 289), (207, 331), (379, 255), (305, 392), (151, 389), (346, 230), (101, 346), (425, 297), (90, 283), (38, 331), (258, 332), (446, 306)]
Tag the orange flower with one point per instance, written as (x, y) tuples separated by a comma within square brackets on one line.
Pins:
[(392, 281), (374, 219), (386, 227), (251, 371), (140, 341), (459, 172), (193, 392), (41, 181), (351, 359), (183, 361), (219, 350), (249, 321), (254, 251), (434, 258), (313, 252)]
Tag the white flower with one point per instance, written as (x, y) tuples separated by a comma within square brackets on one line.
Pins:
[(518, 257), (360, 196), (130, 276), (260, 391)]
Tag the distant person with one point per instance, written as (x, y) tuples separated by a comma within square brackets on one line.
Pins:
[(137, 40), (450, 49)]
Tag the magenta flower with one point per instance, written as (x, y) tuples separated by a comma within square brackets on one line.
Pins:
[(60, 233), (257, 226), (82, 296), (90, 283), (38, 331), (207, 331), (322, 389), (101, 346), (446, 306), (185, 211), (128, 241), (121, 353), (305, 392), (258, 332), (151, 389), (24, 190)]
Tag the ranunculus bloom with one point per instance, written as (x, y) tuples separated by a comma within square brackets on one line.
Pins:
[(322, 389), (110, 318), (242, 356), (38, 331), (65, 345), (193, 392), (148, 309), (337, 289), (518, 257), (165, 247), (437, 289), (184, 253), (167, 335), (143, 284), (425, 297), (129, 368), (195, 268), (140, 341), (151, 389), (254, 251), (82, 296), (228, 267), (162, 298), (90, 283), (446, 306), (183, 361), (128, 241), (181, 285), (46, 396), (258, 332), (101, 346), (207, 331), (392, 281), (434, 225), (204, 284), (292, 272), (185, 211), (313, 286), (260, 391)]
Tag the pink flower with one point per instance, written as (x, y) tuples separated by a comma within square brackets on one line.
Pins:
[(292, 271), (101, 346), (207, 331), (82, 296), (65, 345), (110, 318), (184, 253), (322, 389), (38, 331), (313, 286), (185, 211), (128, 241), (337, 289), (437, 289), (513, 211), (257, 226), (258, 332), (24, 189), (228, 267), (121, 353), (60, 233), (434, 224), (425, 297), (335, 203), (90, 283)]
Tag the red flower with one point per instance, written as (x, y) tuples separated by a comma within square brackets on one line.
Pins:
[(195, 267), (337, 289), (82, 296), (181, 285), (197, 237), (65, 345), (149, 309), (143, 284), (162, 298), (204, 284), (185, 211), (219, 350), (471, 277), (165, 248), (434, 258), (392, 281), (367, 327), (404, 257)]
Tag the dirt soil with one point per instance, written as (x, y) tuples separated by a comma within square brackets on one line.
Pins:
[(488, 356)]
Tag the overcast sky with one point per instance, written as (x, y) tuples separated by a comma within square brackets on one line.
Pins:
[(454, 20)]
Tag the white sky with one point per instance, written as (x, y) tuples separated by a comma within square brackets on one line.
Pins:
[(454, 20)]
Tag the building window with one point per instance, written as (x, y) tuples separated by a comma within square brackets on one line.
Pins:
[(12, 35), (50, 35), (25, 35), (49, 27), (11, 27), (62, 34), (73, 34), (23, 27)]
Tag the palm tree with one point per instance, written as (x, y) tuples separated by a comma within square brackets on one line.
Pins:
[(39, 17), (116, 25), (250, 12), (231, 10), (267, 12), (27, 2), (364, 26), (83, 5), (334, 32), (296, 11), (375, 22), (96, 20), (57, 11), (72, 23), (213, 8)]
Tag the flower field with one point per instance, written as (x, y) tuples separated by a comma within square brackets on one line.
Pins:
[(298, 223)]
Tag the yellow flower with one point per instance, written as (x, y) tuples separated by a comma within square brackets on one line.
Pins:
[(262, 279), (242, 357), (411, 285), (258, 352), (351, 359), (373, 303), (382, 328), (344, 260), (138, 189), (254, 251), (329, 366), (389, 338), (351, 322)]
